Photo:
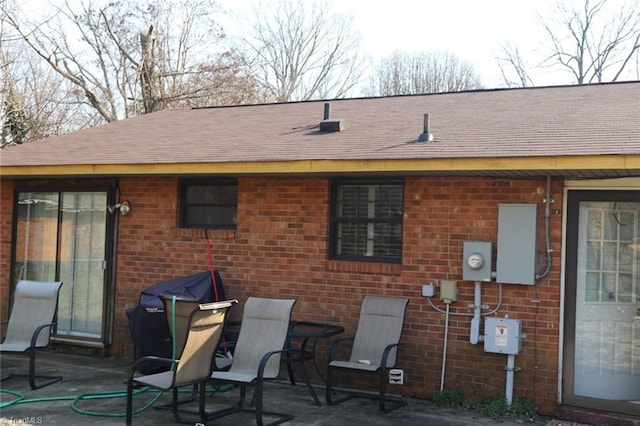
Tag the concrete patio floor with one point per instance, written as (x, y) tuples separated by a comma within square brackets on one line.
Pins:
[(84, 375)]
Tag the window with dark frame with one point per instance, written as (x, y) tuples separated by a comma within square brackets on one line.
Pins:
[(367, 220), (209, 203)]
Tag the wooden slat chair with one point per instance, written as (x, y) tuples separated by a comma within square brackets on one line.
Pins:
[(256, 358), (374, 349), (30, 325), (193, 367)]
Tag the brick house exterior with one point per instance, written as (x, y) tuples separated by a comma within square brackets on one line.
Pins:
[(280, 246)]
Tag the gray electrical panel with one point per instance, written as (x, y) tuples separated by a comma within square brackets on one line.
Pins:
[(502, 336), (517, 242)]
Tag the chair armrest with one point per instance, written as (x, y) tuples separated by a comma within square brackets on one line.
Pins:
[(136, 365), (334, 346), (385, 354), (36, 334), (265, 360)]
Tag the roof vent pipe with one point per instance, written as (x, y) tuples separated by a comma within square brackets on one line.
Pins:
[(425, 136), (329, 125)]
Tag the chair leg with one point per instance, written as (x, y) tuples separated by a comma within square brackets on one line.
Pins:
[(258, 410), (32, 373), (385, 402), (281, 417), (169, 406), (327, 387), (383, 382), (174, 404), (129, 413), (202, 401), (239, 406), (185, 415), (383, 398), (329, 390), (258, 397)]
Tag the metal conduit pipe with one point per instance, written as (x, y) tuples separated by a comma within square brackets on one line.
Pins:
[(444, 350), (475, 336), (511, 368), (547, 229), (465, 314)]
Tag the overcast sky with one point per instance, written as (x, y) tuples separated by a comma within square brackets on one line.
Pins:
[(475, 30), (472, 29)]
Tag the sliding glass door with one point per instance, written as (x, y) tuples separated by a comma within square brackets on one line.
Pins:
[(61, 236)]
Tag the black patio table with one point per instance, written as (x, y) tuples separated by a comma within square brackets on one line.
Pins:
[(304, 332)]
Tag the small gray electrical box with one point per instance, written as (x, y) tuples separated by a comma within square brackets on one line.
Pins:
[(449, 291), (502, 336), (476, 262), (517, 240)]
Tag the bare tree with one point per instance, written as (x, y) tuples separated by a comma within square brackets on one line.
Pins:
[(594, 40), (299, 50), (404, 73), (512, 62), (130, 58), (15, 120), (35, 102)]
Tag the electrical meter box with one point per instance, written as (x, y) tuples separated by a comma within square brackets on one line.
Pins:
[(502, 335), (476, 262), (517, 240)]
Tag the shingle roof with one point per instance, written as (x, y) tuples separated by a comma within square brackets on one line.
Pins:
[(572, 122)]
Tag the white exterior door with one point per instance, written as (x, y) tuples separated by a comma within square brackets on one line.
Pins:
[(607, 362), (605, 296)]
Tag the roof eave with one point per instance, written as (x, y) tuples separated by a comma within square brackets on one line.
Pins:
[(570, 166)]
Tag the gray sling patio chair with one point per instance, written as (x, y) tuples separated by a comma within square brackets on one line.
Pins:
[(30, 325), (193, 366), (178, 310), (374, 349), (183, 307), (256, 358)]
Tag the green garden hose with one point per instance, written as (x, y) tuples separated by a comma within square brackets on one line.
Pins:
[(20, 399)]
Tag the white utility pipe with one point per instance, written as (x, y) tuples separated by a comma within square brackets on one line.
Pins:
[(511, 366), (474, 338), (444, 351)]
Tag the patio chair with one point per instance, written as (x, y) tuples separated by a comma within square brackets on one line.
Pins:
[(184, 306), (256, 358), (373, 351), (193, 367), (178, 314), (178, 310), (31, 324)]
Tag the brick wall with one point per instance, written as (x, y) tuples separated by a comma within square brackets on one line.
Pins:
[(6, 215), (280, 249)]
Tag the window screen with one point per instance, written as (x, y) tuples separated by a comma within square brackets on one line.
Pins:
[(209, 204), (367, 221)]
